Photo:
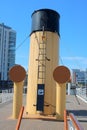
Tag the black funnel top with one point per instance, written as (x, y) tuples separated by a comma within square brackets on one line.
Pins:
[(45, 19)]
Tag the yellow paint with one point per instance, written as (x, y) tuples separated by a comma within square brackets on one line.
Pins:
[(17, 99), (52, 53), (60, 101)]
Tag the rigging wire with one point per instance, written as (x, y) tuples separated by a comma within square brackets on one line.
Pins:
[(21, 43), (61, 61), (71, 54), (77, 63)]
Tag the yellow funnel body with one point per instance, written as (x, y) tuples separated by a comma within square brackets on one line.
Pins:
[(49, 61)]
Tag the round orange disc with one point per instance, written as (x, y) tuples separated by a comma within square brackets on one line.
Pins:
[(17, 73), (61, 74)]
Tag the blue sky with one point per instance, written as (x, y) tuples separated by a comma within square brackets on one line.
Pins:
[(73, 28)]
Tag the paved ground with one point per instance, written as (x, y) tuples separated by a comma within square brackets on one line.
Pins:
[(74, 105), (78, 108), (5, 113)]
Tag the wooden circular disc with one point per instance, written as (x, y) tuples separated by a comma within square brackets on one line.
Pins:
[(17, 73), (61, 74)]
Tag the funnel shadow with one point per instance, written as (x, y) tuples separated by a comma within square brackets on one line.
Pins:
[(82, 113)]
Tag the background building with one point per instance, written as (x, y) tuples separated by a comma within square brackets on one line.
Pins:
[(79, 77), (7, 52)]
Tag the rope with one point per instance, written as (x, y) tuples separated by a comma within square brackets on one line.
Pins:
[(61, 60), (71, 54), (21, 43)]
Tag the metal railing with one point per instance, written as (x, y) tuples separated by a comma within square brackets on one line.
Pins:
[(70, 122), (20, 118), (82, 92), (7, 95)]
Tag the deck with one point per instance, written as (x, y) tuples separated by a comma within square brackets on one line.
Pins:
[(73, 104)]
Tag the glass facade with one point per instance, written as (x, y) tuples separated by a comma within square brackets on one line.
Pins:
[(79, 76), (11, 49), (7, 50)]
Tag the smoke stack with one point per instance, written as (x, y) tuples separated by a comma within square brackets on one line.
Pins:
[(43, 59)]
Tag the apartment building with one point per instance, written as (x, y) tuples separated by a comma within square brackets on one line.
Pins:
[(7, 51), (79, 76)]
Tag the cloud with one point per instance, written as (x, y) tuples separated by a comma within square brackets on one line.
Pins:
[(75, 58), (80, 61)]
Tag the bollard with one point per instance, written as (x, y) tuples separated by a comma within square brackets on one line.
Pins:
[(17, 75), (61, 75)]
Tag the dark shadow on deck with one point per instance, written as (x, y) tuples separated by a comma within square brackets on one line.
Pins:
[(78, 112), (51, 120), (84, 121)]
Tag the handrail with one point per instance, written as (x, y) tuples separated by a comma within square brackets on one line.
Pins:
[(75, 122), (82, 92), (70, 117), (20, 118), (5, 97), (65, 120)]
